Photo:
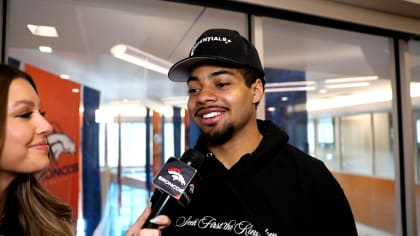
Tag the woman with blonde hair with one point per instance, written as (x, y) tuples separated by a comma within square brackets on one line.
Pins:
[(26, 207)]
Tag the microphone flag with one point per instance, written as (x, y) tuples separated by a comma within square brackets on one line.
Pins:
[(174, 177)]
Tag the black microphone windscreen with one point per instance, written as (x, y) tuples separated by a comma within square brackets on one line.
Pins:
[(193, 158)]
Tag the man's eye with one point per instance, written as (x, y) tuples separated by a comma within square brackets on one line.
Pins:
[(193, 91), (222, 85), (42, 113)]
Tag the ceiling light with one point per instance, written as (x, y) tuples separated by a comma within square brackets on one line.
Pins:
[(347, 85), (288, 84), (140, 58), (271, 109), (45, 49), (43, 30), (370, 97), (64, 76), (351, 79), (290, 89)]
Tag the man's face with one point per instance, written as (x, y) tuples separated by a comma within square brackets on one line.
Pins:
[(221, 104)]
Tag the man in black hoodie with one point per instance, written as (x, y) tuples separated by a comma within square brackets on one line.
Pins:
[(252, 181)]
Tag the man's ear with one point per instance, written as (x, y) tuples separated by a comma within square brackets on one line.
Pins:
[(258, 88)]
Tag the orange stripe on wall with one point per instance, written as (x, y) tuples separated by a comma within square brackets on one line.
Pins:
[(157, 142)]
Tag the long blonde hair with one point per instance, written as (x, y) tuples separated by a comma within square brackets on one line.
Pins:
[(39, 213), (30, 209)]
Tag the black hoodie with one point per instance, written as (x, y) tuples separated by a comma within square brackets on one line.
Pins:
[(276, 190)]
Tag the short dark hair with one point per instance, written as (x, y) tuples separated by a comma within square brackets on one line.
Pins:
[(250, 75)]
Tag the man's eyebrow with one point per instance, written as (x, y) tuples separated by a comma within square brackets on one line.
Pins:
[(192, 78), (220, 72), (213, 74)]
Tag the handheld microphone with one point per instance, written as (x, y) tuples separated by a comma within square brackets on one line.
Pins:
[(175, 183)]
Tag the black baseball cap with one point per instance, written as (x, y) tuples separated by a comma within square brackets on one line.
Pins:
[(219, 47)]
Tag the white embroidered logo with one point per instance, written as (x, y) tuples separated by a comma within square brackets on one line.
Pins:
[(209, 222), (209, 39)]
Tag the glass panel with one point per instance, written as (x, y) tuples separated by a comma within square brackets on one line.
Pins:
[(133, 144), (325, 143), (169, 140), (383, 148), (337, 84), (357, 144), (415, 97)]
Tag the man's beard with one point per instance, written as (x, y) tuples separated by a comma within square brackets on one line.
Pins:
[(219, 137)]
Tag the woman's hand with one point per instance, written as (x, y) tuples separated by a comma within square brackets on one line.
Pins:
[(136, 230)]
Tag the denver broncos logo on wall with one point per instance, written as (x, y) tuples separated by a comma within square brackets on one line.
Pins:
[(60, 143)]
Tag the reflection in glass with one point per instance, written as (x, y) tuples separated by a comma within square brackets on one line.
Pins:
[(415, 99), (357, 144), (383, 145), (337, 85), (326, 145)]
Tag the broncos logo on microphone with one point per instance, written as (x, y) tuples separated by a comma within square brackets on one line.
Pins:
[(176, 175), (61, 143)]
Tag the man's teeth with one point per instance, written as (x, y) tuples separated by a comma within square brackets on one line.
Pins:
[(211, 115)]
